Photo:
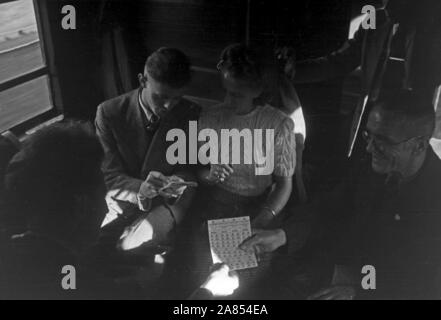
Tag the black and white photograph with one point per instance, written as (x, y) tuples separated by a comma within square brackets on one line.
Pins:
[(240, 152)]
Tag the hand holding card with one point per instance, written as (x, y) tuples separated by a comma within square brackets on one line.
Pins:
[(151, 186), (167, 187), (175, 187)]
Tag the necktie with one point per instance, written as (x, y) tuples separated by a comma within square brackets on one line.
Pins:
[(153, 123)]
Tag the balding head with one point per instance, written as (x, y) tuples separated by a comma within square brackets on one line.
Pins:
[(406, 115), (398, 132)]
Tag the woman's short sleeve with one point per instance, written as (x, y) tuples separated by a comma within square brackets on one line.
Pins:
[(285, 149)]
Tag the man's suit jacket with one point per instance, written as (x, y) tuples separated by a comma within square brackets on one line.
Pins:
[(130, 154)]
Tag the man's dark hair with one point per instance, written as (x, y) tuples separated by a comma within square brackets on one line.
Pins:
[(169, 66), (55, 165), (414, 113)]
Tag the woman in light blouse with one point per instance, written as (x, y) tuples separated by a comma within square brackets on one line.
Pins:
[(235, 189)]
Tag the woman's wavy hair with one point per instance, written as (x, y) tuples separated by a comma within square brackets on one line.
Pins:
[(260, 67), (243, 63)]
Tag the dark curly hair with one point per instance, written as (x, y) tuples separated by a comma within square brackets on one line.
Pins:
[(55, 164)]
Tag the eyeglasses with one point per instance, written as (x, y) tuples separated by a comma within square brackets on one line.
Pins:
[(382, 143)]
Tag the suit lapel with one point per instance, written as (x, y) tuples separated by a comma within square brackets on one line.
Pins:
[(155, 157), (134, 135)]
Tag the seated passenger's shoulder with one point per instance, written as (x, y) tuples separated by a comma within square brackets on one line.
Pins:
[(276, 118), (117, 105)]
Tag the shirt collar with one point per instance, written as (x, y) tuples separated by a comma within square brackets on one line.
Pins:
[(148, 113)]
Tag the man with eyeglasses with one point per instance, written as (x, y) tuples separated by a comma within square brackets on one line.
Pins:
[(133, 131), (387, 215), (390, 155)]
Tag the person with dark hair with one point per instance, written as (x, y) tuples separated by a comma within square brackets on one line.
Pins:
[(169, 66), (386, 216), (242, 76), (133, 131), (56, 185)]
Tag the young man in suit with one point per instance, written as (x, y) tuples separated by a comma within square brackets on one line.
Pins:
[(133, 130)]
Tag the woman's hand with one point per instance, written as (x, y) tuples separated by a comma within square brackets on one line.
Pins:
[(219, 173)]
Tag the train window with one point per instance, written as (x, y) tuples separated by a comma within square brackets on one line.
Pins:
[(24, 83)]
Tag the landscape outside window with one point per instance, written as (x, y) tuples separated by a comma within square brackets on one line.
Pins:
[(24, 92)]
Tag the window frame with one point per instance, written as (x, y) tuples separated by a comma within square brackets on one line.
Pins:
[(48, 69)]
